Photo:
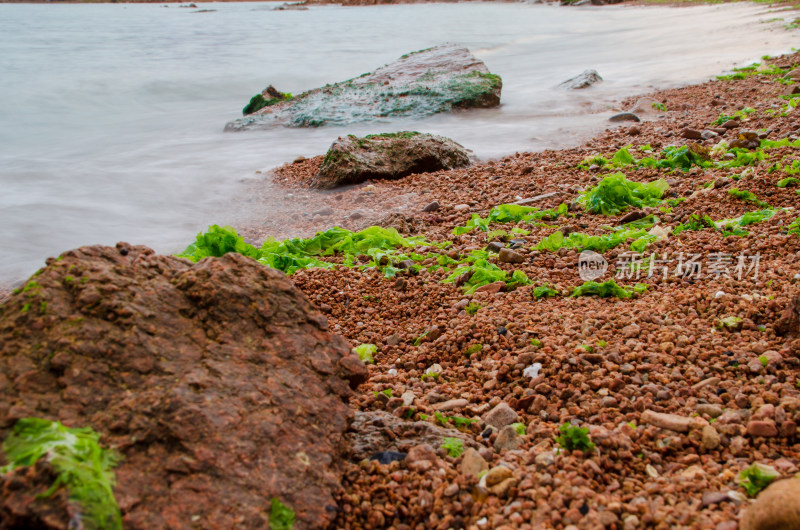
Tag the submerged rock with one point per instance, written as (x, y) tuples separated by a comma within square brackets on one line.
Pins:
[(218, 382), (351, 159), (419, 84), (583, 80)]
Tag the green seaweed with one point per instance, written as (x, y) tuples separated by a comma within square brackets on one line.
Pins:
[(281, 517), (366, 352), (757, 477), (747, 196), (82, 466), (481, 273), (606, 289), (453, 446), (544, 291), (511, 213), (615, 193), (574, 438)]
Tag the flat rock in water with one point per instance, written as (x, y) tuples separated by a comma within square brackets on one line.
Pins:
[(440, 79), (218, 382), (584, 80), (352, 160)]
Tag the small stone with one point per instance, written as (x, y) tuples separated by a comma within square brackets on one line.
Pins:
[(793, 74), (710, 438), (495, 246), (507, 439), (712, 411), (496, 475), (451, 490), (432, 207), (491, 288), (545, 459), (691, 134), (451, 404), (584, 80), (392, 340), (509, 256), (672, 422), (472, 463), (421, 453), (500, 416), (765, 428), (408, 398), (714, 497), (323, 212), (461, 207), (387, 457), (634, 131), (791, 90), (624, 116)]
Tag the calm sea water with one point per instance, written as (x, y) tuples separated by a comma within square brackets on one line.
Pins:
[(111, 116)]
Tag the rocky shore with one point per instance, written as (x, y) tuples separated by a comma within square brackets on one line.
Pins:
[(500, 376), (681, 387)]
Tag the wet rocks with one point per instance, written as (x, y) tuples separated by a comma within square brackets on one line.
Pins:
[(201, 375), (765, 428), (778, 506), (583, 80), (691, 134), (624, 116), (440, 79), (352, 160)]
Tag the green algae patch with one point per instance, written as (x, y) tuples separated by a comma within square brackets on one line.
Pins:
[(511, 213), (82, 466), (481, 273), (281, 517), (607, 289), (615, 193), (294, 254), (579, 241)]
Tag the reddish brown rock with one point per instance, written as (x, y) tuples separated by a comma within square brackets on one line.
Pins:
[(764, 428), (23, 503), (789, 322), (218, 382)]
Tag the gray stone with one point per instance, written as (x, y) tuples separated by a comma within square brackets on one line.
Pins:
[(624, 116), (352, 160), (584, 80), (419, 84)]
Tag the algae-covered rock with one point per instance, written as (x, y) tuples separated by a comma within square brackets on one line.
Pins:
[(217, 382), (419, 84), (351, 159)]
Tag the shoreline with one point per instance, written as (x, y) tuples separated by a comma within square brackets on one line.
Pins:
[(613, 366), (681, 386)]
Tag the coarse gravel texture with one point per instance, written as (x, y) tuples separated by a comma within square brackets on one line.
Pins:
[(604, 361)]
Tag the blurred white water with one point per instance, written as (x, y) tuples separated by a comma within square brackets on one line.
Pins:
[(111, 115)]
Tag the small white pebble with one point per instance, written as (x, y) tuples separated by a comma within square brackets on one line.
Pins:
[(797, 276), (392, 372), (719, 294), (482, 521), (532, 371)]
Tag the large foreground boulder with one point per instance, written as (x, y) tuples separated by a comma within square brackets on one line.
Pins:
[(419, 84), (776, 508), (218, 382), (351, 159)]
